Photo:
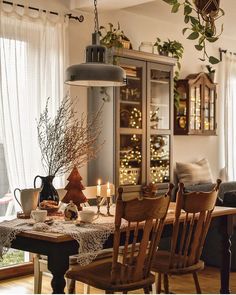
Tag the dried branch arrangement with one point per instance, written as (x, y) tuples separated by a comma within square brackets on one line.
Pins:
[(66, 140)]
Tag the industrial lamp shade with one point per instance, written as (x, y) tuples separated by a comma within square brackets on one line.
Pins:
[(95, 72)]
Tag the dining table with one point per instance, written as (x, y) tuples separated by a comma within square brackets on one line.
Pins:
[(59, 246)]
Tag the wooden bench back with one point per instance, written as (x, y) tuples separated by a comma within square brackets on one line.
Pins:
[(138, 252), (188, 238)]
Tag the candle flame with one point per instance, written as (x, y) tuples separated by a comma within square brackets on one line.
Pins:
[(99, 181), (108, 185)]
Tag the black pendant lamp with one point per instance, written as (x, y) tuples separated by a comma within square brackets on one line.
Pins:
[(95, 71)]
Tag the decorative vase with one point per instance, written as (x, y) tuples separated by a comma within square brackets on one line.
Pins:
[(163, 52), (48, 191), (146, 47)]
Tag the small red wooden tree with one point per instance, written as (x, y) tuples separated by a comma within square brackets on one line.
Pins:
[(74, 189)]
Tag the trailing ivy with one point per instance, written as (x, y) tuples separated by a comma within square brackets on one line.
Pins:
[(200, 27)]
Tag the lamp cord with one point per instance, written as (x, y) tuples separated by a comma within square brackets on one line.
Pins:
[(96, 23)]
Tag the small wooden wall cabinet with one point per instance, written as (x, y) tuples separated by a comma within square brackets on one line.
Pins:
[(196, 114)]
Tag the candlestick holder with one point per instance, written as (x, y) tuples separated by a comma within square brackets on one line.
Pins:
[(99, 203), (109, 206)]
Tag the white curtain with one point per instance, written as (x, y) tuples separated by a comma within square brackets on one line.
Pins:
[(32, 65), (227, 116)]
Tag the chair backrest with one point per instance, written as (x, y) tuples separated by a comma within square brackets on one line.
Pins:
[(192, 220), (147, 214)]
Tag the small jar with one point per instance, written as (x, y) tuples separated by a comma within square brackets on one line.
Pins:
[(146, 47)]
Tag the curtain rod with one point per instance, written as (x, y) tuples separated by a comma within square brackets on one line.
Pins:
[(224, 51), (70, 16)]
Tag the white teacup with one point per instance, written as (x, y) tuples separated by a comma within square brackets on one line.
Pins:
[(87, 215), (39, 215)]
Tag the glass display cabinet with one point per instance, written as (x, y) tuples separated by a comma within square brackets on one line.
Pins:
[(140, 150), (196, 114)]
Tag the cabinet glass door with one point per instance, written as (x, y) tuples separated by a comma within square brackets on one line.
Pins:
[(209, 109), (195, 108), (131, 99), (159, 158), (159, 109), (130, 159), (132, 105), (159, 99)]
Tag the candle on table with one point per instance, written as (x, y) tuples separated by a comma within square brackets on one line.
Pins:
[(99, 188)]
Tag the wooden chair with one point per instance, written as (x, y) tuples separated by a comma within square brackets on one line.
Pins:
[(133, 272), (191, 224), (40, 261)]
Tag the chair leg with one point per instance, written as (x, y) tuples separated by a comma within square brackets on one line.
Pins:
[(86, 289), (166, 284), (37, 276), (158, 283), (71, 286), (146, 290), (197, 286)]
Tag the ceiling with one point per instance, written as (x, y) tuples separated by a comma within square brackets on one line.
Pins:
[(156, 9), (105, 5)]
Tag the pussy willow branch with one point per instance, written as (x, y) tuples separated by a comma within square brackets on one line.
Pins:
[(66, 140)]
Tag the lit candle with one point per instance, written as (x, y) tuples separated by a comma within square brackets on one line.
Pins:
[(108, 190), (99, 188)]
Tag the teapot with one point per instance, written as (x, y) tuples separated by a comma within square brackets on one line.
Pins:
[(28, 199)]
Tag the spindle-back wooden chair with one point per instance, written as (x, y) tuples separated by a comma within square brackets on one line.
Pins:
[(144, 223), (192, 220)]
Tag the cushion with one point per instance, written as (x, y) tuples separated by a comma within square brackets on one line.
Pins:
[(194, 173)]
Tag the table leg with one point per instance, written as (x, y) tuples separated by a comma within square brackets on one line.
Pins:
[(58, 264), (226, 232)]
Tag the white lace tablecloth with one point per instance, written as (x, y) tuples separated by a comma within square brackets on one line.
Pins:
[(90, 237)]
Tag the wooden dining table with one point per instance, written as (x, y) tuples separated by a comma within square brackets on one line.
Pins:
[(58, 247)]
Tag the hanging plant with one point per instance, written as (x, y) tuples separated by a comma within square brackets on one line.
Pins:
[(200, 15), (114, 37)]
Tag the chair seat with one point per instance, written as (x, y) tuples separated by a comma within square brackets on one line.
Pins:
[(98, 275), (161, 265)]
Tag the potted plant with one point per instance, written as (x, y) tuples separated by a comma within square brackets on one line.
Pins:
[(201, 16), (114, 37), (211, 73), (176, 50)]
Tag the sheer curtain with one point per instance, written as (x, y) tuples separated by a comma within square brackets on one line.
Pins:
[(227, 108), (32, 64)]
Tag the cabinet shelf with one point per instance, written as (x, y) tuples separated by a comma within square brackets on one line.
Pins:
[(133, 78), (159, 104), (159, 81), (130, 102)]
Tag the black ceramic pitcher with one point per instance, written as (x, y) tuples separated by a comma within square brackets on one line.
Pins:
[(48, 191)]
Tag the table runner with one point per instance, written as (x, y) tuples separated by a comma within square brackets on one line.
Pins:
[(90, 237)]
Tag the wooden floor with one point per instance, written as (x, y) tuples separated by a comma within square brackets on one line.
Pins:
[(209, 281)]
